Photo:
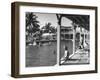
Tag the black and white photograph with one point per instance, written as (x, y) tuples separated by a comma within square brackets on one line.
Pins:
[(75, 39), (41, 39)]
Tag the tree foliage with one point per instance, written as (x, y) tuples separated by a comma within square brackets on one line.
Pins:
[(48, 28), (32, 25)]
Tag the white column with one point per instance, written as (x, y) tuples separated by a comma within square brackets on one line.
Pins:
[(80, 35), (73, 40), (58, 45)]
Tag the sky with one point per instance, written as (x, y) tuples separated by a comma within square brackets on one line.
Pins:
[(44, 18)]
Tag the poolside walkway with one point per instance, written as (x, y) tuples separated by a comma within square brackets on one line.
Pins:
[(80, 57)]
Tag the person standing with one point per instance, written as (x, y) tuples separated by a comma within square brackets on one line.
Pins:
[(66, 55)]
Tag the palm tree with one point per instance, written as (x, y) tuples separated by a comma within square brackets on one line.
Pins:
[(31, 22), (32, 25), (47, 28)]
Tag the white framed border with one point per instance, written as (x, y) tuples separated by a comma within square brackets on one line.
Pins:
[(57, 68)]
